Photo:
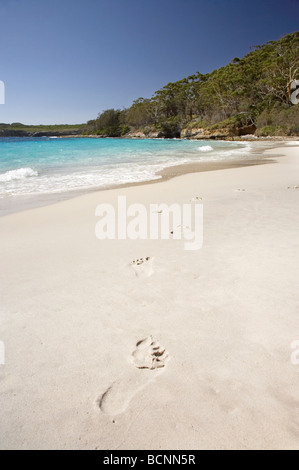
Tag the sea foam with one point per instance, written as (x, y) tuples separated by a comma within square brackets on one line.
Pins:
[(43, 165), (205, 148), (18, 174)]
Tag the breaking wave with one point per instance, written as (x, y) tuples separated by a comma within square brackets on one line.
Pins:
[(18, 174), (205, 148)]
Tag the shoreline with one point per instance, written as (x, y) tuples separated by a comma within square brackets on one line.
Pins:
[(20, 203), (245, 138)]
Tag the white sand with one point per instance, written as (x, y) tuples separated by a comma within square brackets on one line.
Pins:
[(73, 309)]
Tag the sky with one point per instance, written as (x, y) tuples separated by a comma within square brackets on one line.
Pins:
[(65, 61)]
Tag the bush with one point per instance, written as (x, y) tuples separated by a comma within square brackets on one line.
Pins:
[(283, 119), (269, 130), (170, 127), (125, 130)]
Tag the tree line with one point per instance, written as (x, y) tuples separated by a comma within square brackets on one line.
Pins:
[(253, 90)]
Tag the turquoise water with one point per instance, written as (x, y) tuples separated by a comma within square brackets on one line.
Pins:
[(49, 165)]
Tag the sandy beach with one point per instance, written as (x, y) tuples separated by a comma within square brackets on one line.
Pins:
[(183, 350)]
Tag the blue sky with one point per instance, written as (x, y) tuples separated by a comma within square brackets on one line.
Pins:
[(64, 61)]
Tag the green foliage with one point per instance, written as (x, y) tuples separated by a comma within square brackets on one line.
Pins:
[(30, 130), (170, 127), (281, 117), (240, 92), (109, 123), (125, 130), (17, 124), (141, 113), (197, 123), (269, 130)]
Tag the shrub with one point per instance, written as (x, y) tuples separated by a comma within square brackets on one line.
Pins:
[(269, 130)]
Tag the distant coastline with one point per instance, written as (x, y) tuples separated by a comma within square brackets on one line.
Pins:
[(66, 134)]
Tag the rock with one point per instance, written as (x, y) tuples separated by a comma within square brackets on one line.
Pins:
[(13, 133), (226, 132), (192, 133), (249, 137), (154, 135), (135, 135)]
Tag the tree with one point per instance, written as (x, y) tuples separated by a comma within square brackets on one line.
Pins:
[(108, 123)]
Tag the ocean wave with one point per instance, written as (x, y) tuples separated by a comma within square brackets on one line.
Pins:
[(19, 174), (205, 148)]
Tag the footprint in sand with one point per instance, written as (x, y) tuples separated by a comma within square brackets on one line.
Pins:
[(148, 359), (294, 187), (196, 199), (240, 189), (143, 266)]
